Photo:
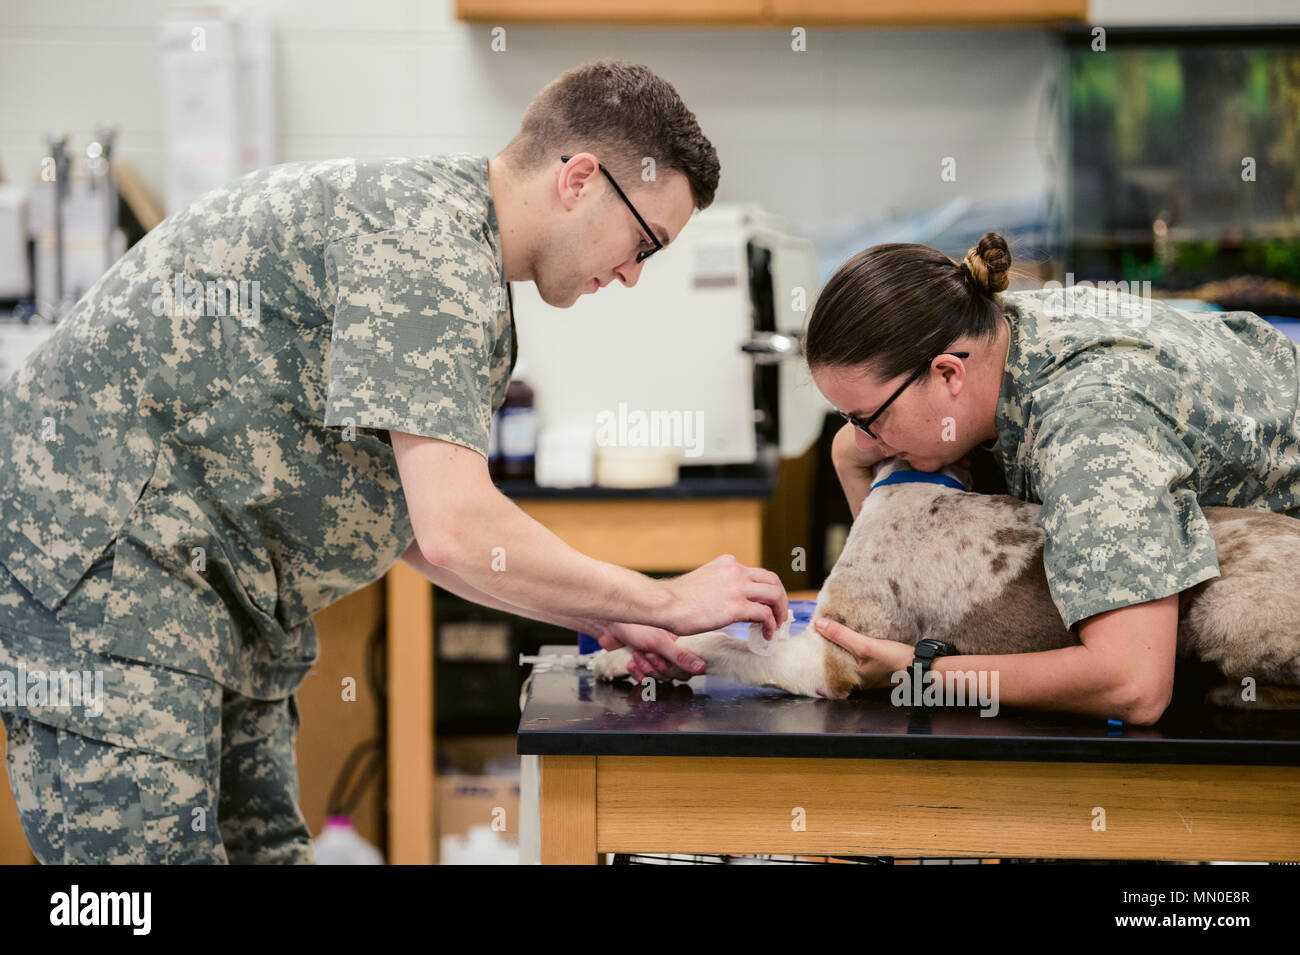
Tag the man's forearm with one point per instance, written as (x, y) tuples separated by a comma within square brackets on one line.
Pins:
[(448, 580), (501, 551), (1068, 680)]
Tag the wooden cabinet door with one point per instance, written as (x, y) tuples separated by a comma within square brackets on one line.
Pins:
[(665, 12), (923, 12), (847, 13)]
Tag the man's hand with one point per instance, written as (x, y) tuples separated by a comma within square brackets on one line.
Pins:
[(654, 652), (877, 659), (458, 515), (724, 591)]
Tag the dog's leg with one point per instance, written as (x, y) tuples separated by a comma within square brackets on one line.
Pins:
[(1268, 696), (805, 665)]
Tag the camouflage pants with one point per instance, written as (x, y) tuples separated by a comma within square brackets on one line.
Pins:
[(167, 767)]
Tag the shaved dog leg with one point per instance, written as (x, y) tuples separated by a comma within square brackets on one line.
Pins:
[(797, 664)]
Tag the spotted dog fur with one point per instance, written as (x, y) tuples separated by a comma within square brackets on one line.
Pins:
[(925, 560)]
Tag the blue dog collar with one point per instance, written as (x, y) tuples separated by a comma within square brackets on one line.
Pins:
[(920, 477)]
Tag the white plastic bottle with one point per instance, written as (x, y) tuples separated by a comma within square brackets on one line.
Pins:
[(341, 844)]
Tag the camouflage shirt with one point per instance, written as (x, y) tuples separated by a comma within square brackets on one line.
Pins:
[(225, 443), (1125, 416)]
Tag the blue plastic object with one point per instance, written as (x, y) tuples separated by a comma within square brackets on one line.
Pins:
[(801, 612)]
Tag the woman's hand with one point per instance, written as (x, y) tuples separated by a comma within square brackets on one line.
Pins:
[(655, 652), (878, 660)]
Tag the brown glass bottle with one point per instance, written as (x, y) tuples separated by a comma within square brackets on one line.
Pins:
[(517, 432), (494, 447)]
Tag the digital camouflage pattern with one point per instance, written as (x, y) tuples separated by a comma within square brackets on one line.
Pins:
[(211, 418), (189, 477), (176, 768), (144, 706), (1124, 417), (88, 802)]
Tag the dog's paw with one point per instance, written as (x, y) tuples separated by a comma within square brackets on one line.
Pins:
[(1226, 695), (612, 665)]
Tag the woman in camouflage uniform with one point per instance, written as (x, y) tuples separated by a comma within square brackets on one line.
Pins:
[(1121, 416)]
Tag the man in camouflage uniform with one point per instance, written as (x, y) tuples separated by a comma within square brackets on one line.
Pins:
[(199, 459)]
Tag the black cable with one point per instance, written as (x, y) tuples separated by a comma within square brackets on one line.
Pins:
[(341, 801), (368, 754)]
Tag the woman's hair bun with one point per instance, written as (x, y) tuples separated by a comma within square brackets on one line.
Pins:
[(988, 263)]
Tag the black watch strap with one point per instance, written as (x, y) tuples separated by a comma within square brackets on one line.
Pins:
[(927, 651)]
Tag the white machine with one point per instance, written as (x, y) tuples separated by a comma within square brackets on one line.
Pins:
[(702, 354)]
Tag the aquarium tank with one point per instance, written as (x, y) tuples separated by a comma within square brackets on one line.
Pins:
[(1184, 162)]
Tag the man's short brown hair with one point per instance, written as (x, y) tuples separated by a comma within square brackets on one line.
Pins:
[(622, 113)]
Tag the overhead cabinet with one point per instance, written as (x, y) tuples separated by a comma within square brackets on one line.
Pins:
[(842, 13)]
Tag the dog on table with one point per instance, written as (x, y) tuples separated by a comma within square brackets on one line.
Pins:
[(927, 558)]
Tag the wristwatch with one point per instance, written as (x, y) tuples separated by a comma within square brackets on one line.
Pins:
[(927, 651)]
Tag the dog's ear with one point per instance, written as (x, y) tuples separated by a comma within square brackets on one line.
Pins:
[(887, 467), (961, 474)]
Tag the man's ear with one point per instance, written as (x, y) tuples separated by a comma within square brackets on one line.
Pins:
[(575, 178)]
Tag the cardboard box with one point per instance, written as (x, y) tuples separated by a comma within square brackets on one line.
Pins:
[(476, 787)]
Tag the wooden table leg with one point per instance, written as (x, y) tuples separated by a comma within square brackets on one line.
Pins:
[(568, 810), (410, 717), (13, 841)]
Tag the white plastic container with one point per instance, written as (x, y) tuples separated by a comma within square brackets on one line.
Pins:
[(341, 844)]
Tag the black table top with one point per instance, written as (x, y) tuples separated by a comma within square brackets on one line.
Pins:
[(757, 480), (569, 712)]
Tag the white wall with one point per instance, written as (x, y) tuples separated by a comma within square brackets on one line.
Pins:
[(854, 127)]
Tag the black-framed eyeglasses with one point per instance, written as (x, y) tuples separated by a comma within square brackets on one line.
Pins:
[(865, 424), (654, 239)]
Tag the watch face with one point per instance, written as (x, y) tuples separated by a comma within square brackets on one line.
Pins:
[(930, 648)]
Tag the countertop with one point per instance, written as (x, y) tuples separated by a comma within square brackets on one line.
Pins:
[(757, 481), (568, 712)]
